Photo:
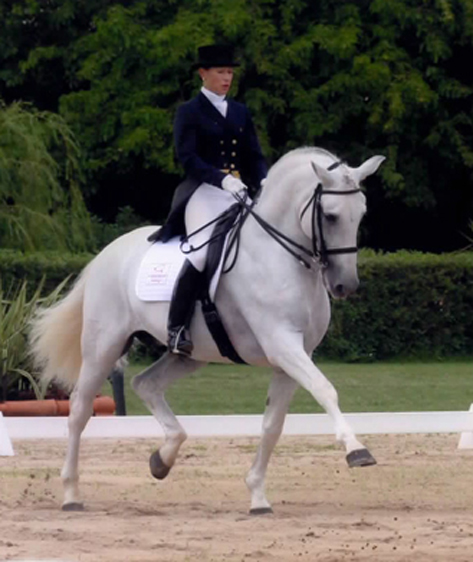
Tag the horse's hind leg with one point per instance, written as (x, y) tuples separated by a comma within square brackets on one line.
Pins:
[(94, 370), (150, 385), (280, 393)]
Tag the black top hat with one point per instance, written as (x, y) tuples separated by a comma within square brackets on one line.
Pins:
[(215, 55)]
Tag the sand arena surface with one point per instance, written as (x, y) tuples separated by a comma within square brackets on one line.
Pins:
[(417, 504)]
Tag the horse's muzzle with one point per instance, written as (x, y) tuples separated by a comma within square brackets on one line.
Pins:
[(343, 290)]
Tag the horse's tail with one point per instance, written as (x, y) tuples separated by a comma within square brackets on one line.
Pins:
[(55, 337)]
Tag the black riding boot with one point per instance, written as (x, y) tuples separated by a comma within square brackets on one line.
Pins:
[(186, 292)]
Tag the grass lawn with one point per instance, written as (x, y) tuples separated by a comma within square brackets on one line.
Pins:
[(374, 387)]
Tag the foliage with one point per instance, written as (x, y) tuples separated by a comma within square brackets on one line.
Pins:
[(408, 305), (126, 220), (16, 311), (38, 157), (374, 76), (41, 269)]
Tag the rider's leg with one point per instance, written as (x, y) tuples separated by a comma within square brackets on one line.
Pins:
[(186, 292), (204, 206)]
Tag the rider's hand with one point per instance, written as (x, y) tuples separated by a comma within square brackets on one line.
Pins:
[(232, 184)]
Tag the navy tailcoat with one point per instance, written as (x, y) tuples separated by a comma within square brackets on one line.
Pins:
[(207, 143)]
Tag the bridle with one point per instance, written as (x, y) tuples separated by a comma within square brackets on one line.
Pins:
[(322, 252)]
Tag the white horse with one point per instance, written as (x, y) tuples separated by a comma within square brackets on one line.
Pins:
[(276, 310)]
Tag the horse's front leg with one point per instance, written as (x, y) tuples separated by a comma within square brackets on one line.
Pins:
[(280, 393), (150, 385), (287, 352)]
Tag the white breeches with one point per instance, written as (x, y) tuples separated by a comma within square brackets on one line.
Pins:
[(206, 203)]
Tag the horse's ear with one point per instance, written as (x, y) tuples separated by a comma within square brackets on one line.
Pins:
[(369, 167), (324, 175)]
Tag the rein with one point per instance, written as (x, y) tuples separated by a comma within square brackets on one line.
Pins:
[(317, 255)]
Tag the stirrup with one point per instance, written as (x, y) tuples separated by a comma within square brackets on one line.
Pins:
[(178, 343)]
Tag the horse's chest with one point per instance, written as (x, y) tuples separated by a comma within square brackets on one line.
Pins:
[(318, 314)]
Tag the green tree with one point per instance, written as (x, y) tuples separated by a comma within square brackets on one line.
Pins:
[(36, 40), (371, 76), (40, 202)]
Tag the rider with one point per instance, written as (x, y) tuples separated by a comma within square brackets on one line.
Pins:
[(216, 143)]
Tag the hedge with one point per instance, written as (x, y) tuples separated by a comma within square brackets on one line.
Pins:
[(16, 266), (408, 304)]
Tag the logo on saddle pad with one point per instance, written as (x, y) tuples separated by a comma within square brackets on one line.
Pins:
[(159, 270)]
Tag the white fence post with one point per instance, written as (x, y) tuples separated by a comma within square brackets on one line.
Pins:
[(466, 438), (6, 449)]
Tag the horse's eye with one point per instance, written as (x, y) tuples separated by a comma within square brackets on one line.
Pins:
[(329, 217)]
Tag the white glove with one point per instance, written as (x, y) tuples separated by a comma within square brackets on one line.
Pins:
[(232, 184)]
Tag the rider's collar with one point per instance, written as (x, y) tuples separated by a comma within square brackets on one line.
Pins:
[(212, 96)]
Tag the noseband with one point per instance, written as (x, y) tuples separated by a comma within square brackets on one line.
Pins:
[(322, 252)]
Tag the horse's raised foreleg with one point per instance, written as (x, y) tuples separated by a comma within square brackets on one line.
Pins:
[(150, 385), (280, 393), (288, 353)]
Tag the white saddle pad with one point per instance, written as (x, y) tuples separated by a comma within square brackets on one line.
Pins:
[(159, 270)]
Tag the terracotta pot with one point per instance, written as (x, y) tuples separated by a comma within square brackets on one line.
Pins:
[(103, 406)]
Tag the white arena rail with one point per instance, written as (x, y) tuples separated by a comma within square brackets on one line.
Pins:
[(246, 425)]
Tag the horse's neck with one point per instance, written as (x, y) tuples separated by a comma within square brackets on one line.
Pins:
[(279, 205)]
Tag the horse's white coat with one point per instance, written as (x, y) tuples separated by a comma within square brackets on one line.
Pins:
[(275, 310)]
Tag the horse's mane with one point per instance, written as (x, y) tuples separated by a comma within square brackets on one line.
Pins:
[(303, 150)]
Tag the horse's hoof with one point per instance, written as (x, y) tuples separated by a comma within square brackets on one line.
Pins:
[(158, 469), (360, 457), (261, 510), (73, 506)]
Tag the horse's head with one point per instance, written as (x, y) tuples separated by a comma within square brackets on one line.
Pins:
[(331, 218)]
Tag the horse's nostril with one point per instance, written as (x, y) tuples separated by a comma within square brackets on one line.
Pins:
[(340, 289)]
